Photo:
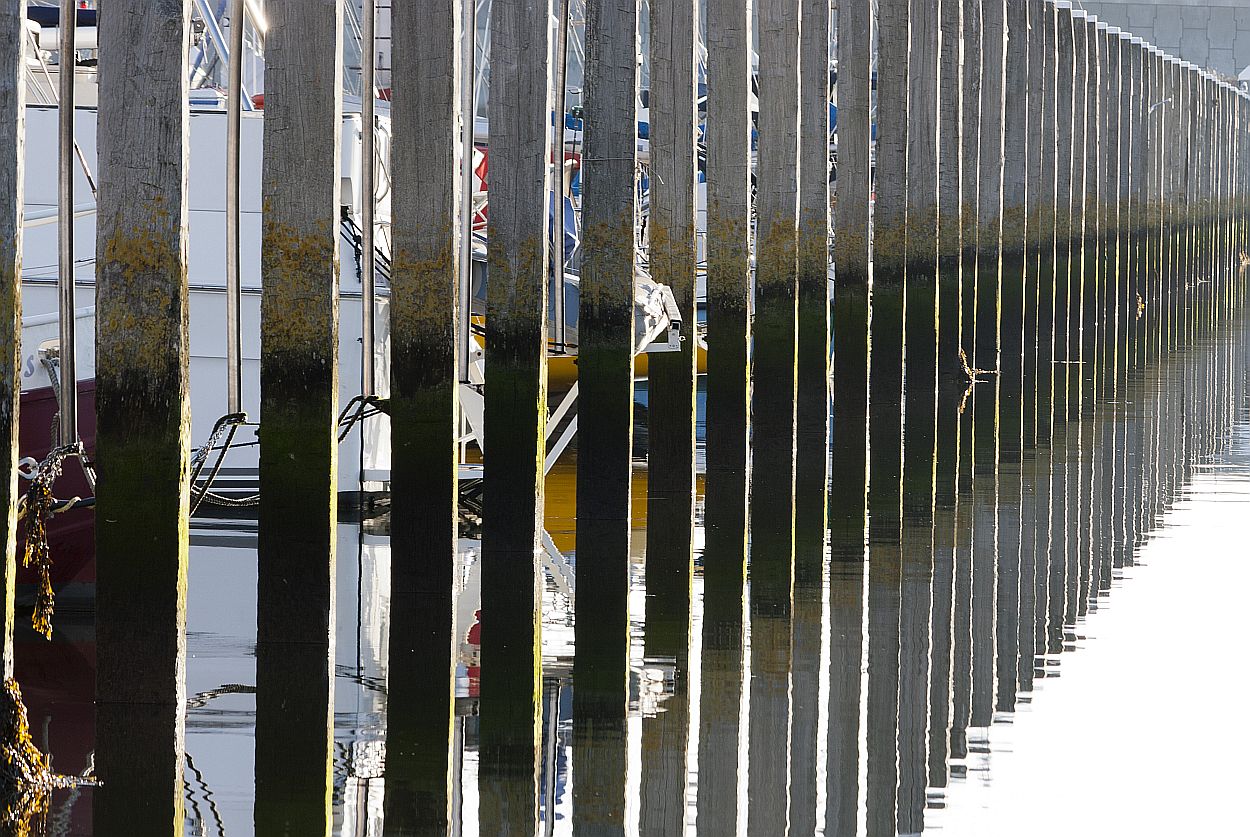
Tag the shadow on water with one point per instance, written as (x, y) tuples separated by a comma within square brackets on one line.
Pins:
[(856, 689)]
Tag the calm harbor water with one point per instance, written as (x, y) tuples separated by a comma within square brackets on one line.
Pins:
[(1046, 652)]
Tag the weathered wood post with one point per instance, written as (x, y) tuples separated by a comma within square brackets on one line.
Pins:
[(990, 184), (1091, 273), (812, 412), (518, 260), (774, 345), (670, 230), (773, 412), (425, 269), (1018, 150), (1109, 44), (1043, 58), (1036, 131), (1016, 143), (885, 429), (1119, 167), (848, 504), (920, 411), (728, 282), (142, 416), (1048, 242), (970, 173), (606, 382), (1137, 195), (811, 478), (299, 398), (670, 410), (984, 403), (951, 383), (728, 171), (1080, 196), (1065, 195), (12, 172)]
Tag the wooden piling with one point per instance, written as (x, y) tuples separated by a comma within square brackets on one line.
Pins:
[(671, 234), (1091, 243), (1119, 168), (1048, 227), (848, 503), (1016, 145), (920, 411), (990, 184), (425, 270), (1017, 148), (1079, 255), (889, 270), (773, 373), (670, 409), (885, 418), (811, 479), (142, 418), (812, 412), (949, 206), (12, 173), (728, 171), (299, 399), (1065, 192), (970, 173), (848, 484), (774, 369), (1135, 265), (728, 138), (951, 384), (1038, 220), (515, 415)]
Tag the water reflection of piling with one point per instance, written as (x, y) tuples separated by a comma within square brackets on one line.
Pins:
[(515, 415), (141, 421), (425, 268), (12, 172)]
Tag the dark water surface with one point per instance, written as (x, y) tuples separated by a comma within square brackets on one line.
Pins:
[(1046, 651)]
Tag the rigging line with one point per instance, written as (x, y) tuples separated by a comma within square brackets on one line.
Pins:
[(82, 160)]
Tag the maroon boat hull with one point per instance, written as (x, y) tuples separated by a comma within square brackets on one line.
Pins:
[(71, 536)]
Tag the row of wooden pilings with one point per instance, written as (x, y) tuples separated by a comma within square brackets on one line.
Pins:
[(1051, 205)]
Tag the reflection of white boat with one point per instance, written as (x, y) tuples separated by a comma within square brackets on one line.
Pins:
[(364, 455)]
